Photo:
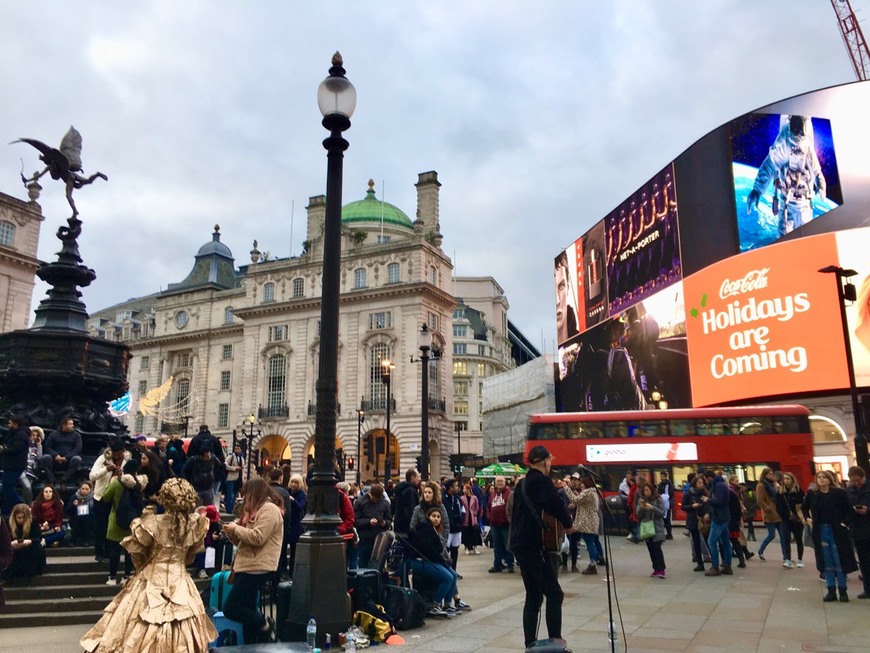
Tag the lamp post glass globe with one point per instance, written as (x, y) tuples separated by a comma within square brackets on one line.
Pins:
[(424, 338), (336, 95)]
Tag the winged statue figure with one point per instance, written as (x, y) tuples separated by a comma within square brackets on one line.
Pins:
[(64, 163)]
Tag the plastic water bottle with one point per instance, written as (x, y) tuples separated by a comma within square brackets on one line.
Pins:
[(612, 635), (350, 646), (311, 634)]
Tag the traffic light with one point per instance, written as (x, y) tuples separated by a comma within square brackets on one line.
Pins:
[(350, 462), (419, 462), (367, 446)]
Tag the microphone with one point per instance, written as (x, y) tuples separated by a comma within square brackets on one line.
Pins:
[(586, 470)]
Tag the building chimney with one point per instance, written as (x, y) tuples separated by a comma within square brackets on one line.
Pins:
[(427, 199)]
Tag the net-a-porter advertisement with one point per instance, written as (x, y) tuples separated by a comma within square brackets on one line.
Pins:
[(766, 323)]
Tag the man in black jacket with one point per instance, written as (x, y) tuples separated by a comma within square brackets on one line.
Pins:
[(62, 451), (534, 493), (406, 498), (13, 461), (859, 496)]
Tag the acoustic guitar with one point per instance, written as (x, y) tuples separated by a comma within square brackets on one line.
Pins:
[(553, 533)]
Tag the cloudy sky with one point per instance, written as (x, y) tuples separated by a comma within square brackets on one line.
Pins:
[(540, 117)]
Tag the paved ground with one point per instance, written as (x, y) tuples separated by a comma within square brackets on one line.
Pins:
[(763, 608)]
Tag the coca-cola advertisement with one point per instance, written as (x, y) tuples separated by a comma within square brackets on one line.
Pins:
[(631, 361), (764, 323), (785, 175), (643, 246)]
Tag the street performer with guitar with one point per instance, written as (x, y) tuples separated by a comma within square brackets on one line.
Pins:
[(537, 510)]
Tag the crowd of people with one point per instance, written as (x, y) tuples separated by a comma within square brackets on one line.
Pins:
[(159, 504)]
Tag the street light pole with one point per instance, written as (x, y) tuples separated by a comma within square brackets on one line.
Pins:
[(846, 292), (360, 416), (319, 582), (387, 368), (251, 420), (424, 343)]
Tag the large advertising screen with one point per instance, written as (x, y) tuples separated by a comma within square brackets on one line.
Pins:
[(643, 245), (854, 250), (765, 323), (630, 361), (785, 175)]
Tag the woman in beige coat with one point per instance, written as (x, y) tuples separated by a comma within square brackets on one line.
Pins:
[(258, 534), (765, 495)]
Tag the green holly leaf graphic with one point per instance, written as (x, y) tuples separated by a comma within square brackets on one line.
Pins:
[(694, 312), (703, 300)]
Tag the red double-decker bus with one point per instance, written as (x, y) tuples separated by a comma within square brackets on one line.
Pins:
[(742, 440)]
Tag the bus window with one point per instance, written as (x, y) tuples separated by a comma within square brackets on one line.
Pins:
[(656, 428), (682, 426), (590, 430), (616, 429), (788, 424), (680, 475)]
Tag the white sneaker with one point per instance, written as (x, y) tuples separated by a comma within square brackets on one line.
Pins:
[(799, 564), (112, 581), (787, 564), (202, 573)]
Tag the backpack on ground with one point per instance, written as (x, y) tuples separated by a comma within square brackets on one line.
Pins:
[(130, 507), (405, 606), (374, 621)]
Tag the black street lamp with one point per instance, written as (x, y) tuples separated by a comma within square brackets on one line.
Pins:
[(387, 368), (360, 417), (319, 582), (846, 292), (457, 426), (250, 422), (424, 344)]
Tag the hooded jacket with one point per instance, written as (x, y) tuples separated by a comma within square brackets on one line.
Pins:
[(719, 501)]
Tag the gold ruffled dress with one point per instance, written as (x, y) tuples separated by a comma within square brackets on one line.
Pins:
[(159, 610)]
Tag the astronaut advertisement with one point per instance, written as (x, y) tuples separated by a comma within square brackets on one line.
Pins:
[(785, 175), (643, 248)]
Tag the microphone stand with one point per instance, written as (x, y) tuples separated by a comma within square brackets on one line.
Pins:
[(608, 558)]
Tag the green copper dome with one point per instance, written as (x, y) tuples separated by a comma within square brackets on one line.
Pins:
[(372, 210)]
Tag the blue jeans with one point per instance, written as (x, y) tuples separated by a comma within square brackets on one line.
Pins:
[(500, 547), (719, 537), (352, 555), (11, 498), (446, 578), (230, 495), (592, 544), (772, 530)]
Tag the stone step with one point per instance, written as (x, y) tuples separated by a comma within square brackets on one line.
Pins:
[(30, 594), (66, 578), (69, 552), (68, 618), (56, 607)]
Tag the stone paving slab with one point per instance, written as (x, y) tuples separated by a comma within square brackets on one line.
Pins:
[(762, 609)]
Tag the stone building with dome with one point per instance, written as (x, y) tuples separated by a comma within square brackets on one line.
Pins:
[(237, 347)]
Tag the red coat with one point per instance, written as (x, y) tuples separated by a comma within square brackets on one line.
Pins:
[(345, 511), (472, 508), (632, 495), (51, 512)]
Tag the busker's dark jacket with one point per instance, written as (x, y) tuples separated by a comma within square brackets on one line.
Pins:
[(525, 529)]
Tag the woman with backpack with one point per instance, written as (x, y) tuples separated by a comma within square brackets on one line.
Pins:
[(126, 489)]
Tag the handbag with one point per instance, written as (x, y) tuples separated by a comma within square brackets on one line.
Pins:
[(647, 529)]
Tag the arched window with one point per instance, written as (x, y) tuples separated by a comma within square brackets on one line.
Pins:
[(359, 278), (276, 383), (393, 273), (269, 292), (7, 233), (298, 288), (182, 394), (824, 429), (228, 315), (377, 388)]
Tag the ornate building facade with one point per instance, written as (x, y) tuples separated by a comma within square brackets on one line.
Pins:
[(20, 223), (241, 344)]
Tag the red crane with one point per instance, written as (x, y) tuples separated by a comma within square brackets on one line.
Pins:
[(853, 37)]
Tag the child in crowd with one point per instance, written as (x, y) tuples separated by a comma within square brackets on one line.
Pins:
[(80, 512), (214, 539)]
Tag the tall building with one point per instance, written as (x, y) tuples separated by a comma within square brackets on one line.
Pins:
[(20, 223), (241, 345), (485, 344)]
